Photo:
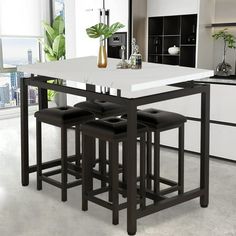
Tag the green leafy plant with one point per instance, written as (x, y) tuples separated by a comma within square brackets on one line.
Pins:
[(54, 46), (103, 31), (229, 39)]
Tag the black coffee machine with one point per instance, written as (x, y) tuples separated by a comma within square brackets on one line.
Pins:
[(114, 45)]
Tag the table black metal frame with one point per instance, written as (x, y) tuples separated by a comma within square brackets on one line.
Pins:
[(130, 105)]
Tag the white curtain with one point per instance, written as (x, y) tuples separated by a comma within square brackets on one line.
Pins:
[(22, 18)]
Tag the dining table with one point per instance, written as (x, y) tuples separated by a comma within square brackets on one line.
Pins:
[(131, 89)]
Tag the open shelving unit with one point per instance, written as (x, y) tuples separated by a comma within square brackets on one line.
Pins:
[(165, 32)]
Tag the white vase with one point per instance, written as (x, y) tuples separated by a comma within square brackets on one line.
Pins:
[(174, 50)]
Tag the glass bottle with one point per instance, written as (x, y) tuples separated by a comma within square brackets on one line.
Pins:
[(122, 64), (133, 45), (136, 62)]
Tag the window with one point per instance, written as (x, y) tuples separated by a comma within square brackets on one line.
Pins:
[(16, 51), (59, 8), (20, 50), (19, 45)]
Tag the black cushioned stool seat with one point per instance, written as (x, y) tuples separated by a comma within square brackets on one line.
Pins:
[(158, 121), (109, 128), (67, 115), (161, 120), (101, 109), (114, 131), (63, 117)]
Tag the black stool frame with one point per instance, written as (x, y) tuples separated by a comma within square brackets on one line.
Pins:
[(115, 186), (130, 105), (157, 179), (67, 167)]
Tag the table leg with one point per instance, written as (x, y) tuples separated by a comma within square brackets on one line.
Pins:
[(131, 166), (24, 133), (43, 98), (204, 170)]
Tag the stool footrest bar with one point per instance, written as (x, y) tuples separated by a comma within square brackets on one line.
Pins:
[(52, 172), (161, 205), (169, 190), (51, 181), (100, 202), (51, 164), (98, 191), (74, 183)]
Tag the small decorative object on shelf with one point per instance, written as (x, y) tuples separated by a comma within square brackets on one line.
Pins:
[(122, 64), (103, 32), (224, 68), (174, 50), (133, 45), (135, 60)]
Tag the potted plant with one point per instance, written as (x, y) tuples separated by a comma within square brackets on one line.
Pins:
[(103, 32), (54, 48), (224, 68)]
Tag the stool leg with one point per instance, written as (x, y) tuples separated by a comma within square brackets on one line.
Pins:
[(102, 160), (181, 160), (39, 154), (64, 163), (77, 151), (157, 162), (142, 171), (149, 160), (110, 174), (113, 153), (93, 149), (87, 166), (124, 166)]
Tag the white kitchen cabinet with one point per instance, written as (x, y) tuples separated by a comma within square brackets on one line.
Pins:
[(171, 7), (223, 109)]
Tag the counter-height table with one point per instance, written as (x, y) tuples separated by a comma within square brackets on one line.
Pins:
[(153, 83)]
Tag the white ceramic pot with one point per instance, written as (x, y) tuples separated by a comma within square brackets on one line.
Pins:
[(174, 50)]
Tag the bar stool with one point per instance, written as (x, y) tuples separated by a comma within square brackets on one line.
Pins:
[(63, 117), (158, 121), (101, 109), (113, 130)]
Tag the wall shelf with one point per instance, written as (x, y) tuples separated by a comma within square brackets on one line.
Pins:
[(188, 45), (164, 55), (226, 24), (165, 32)]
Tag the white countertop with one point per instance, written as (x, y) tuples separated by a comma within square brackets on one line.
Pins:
[(219, 81), (84, 70)]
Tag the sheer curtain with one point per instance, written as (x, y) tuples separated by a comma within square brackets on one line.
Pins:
[(22, 18)]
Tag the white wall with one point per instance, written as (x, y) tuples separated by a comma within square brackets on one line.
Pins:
[(205, 43), (70, 28), (172, 7), (225, 11), (140, 25), (81, 14)]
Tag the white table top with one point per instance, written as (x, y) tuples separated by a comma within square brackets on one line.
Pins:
[(84, 70)]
